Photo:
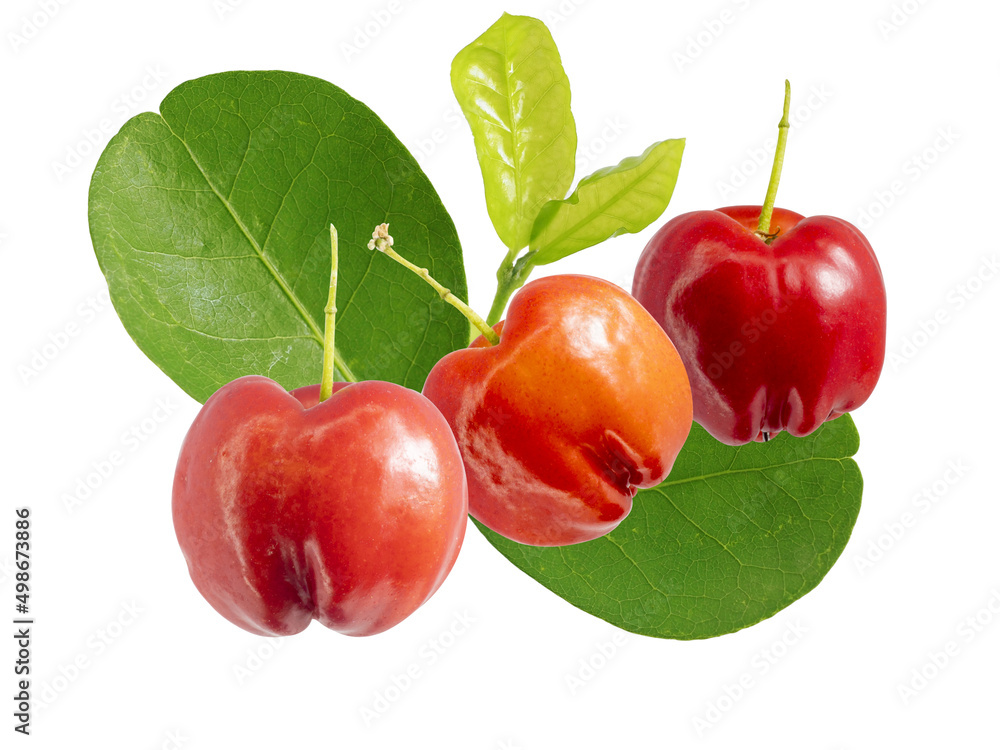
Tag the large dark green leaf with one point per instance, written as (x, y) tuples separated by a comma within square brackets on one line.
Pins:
[(730, 538), (515, 94), (211, 222)]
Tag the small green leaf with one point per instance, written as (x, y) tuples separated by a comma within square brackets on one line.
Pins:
[(611, 201), (211, 223), (730, 538), (515, 94)]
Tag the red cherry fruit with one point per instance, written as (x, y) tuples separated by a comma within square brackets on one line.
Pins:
[(778, 336), (350, 511), (583, 401)]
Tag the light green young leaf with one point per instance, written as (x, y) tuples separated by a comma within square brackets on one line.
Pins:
[(211, 223), (612, 201), (730, 538), (515, 94)]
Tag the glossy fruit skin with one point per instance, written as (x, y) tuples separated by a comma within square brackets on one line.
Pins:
[(350, 511), (583, 401), (775, 337)]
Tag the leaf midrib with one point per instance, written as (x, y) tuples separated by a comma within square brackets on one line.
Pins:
[(727, 472), (513, 131), (654, 587), (602, 207), (317, 333)]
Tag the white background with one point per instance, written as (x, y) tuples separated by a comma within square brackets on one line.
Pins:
[(874, 85)]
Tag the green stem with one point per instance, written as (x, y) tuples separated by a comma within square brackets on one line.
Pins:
[(500, 303), (764, 225), (382, 242), (510, 277), (326, 384)]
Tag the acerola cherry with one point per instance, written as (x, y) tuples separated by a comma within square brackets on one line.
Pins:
[(350, 511), (779, 319), (582, 401), (775, 337), (343, 502)]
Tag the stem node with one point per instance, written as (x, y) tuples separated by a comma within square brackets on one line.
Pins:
[(326, 384)]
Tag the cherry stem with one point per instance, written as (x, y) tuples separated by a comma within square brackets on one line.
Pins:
[(382, 242), (764, 225), (326, 384), (511, 275)]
